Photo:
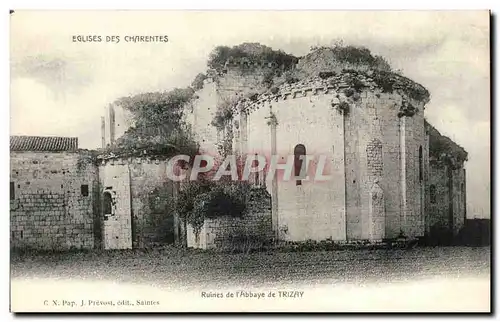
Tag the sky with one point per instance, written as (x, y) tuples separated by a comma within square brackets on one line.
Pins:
[(60, 87)]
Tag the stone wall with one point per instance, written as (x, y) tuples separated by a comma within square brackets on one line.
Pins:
[(53, 201), (445, 188), (383, 113), (362, 145), (446, 215), (374, 118), (117, 120), (152, 204), (459, 206), (144, 202), (200, 113), (427, 178), (57, 202), (241, 80), (307, 113), (413, 216), (438, 217), (313, 209), (116, 225), (252, 230)]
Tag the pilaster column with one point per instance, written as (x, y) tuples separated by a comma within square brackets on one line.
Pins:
[(402, 154)]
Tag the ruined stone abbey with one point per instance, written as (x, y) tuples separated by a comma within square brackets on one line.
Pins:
[(392, 174), (387, 176)]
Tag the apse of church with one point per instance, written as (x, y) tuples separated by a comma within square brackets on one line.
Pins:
[(374, 143)]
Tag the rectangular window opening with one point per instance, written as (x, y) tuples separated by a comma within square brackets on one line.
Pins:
[(12, 191), (85, 190)]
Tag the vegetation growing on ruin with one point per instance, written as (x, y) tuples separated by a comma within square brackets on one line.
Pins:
[(250, 56), (357, 64), (202, 199), (443, 150), (338, 63), (387, 82), (272, 119), (355, 55), (224, 147), (268, 78), (226, 199), (343, 107), (253, 53), (290, 77), (224, 112), (85, 158), (222, 121), (185, 203), (197, 83), (159, 199), (158, 130), (244, 239)]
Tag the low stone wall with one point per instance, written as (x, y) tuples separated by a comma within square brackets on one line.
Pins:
[(252, 230), (144, 200)]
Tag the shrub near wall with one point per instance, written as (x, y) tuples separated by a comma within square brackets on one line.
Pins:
[(235, 216), (250, 232)]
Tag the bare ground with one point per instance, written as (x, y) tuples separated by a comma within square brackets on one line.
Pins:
[(178, 268)]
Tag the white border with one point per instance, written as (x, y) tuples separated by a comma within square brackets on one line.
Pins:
[(200, 4)]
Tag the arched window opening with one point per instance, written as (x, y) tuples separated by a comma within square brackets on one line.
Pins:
[(432, 193), (420, 164), (107, 204), (255, 163), (299, 164)]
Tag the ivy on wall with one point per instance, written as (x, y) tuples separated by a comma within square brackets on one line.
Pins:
[(85, 158), (158, 129), (197, 83), (355, 55), (223, 113), (252, 52), (387, 82), (208, 199), (443, 151), (353, 65)]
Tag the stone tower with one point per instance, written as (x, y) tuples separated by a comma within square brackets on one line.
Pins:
[(359, 121), (368, 124)]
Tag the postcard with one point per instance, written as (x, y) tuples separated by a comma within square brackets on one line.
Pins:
[(250, 161)]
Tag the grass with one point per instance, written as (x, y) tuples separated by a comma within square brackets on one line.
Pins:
[(173, 267)]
